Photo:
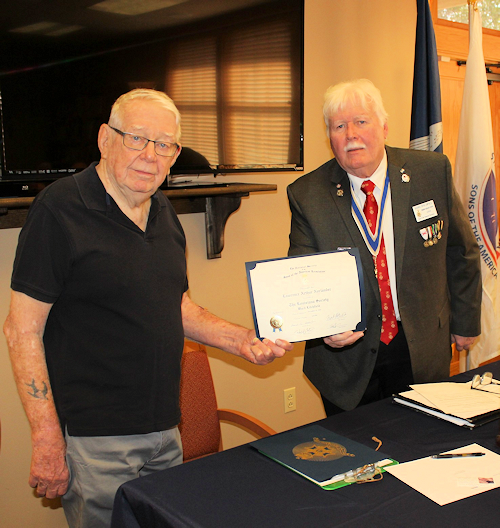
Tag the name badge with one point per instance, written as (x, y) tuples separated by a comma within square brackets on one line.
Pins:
[(424, 211)]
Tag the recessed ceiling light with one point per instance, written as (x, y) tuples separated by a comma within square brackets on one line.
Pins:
[(134, 7), (39, 27), (51, 29), (63, 30)]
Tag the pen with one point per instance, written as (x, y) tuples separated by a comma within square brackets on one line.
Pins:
[(457, 455)]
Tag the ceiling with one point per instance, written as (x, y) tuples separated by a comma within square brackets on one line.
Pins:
[(29, 28)]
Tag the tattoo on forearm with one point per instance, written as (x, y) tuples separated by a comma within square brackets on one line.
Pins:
[(40, 394)]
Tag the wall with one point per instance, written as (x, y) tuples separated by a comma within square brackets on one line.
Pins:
[(343, 40)]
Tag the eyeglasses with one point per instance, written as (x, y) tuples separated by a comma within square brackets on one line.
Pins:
[(480, 382), (135, 142)]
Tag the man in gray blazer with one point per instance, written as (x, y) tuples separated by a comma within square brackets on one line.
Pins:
[(432, 293)]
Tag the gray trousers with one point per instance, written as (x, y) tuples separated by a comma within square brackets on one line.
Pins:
[(98, 465)]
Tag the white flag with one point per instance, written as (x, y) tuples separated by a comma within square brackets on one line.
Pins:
[(475, 182)]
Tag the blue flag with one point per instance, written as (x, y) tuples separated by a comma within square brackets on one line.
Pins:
[(426, 122)]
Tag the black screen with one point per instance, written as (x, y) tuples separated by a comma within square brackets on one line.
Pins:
[(52, 112)]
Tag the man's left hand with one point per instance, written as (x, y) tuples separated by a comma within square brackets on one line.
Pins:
[(462, 343), (265, 351), (204, 327)]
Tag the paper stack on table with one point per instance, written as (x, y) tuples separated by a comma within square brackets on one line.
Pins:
[(454, 402)]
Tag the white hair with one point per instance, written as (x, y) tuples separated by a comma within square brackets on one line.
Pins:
[(144, 94), (360, 91)]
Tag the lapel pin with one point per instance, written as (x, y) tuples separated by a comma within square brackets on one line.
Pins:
[(405, 178), (340, 191)]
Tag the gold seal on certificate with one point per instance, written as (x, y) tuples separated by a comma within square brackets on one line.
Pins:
[(276, 322), (316, 295)]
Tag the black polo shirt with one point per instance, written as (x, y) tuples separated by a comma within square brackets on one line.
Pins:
[(114, 337)]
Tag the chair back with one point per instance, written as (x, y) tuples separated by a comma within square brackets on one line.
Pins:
[(199, 426)]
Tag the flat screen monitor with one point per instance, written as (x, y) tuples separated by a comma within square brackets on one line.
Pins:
[(51, 111)]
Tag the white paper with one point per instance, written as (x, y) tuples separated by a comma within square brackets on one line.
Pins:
[(306, 297), (458, 399), (447, 480)]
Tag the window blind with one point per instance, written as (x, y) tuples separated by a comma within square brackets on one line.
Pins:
[(238, 91)]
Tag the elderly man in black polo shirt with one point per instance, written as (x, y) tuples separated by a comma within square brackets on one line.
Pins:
[(99, 312)]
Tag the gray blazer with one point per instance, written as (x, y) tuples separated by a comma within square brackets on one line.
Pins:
[(439, 286)]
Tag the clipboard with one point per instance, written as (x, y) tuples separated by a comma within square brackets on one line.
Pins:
[(320, 455)]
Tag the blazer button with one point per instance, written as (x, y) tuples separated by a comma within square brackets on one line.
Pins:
[(379, 316), (373, 350)]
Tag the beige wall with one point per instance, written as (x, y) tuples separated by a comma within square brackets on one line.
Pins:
[(343, 40)]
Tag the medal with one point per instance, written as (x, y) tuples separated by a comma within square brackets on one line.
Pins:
[(432, 234), (276, 322), (425, 235), (436, 231)]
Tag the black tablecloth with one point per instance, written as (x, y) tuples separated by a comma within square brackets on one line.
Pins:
[(242, 488)]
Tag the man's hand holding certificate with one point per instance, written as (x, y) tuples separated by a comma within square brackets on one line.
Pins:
[(305, 297)]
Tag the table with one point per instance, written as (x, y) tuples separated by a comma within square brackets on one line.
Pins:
[(242, 488)]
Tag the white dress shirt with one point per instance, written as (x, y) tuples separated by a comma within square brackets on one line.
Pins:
[(378, 178)]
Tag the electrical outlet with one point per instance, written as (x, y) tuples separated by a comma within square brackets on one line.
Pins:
[(290, 400)]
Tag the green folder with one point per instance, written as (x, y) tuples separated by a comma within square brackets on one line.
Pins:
[(320, 455)]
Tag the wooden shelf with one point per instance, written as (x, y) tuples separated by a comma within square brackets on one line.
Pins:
[(217, 202)]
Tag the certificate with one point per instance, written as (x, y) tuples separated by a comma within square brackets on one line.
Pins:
[(305, 297)]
